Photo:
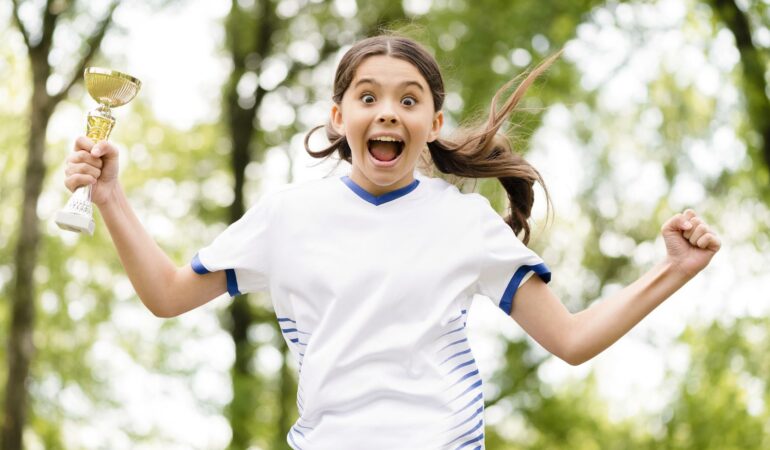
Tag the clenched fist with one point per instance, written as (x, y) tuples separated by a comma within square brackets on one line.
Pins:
[(690, 242), (95, 164)]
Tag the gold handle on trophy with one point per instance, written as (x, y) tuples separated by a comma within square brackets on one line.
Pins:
[(111, 89)]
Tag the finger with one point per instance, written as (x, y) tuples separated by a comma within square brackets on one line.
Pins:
[(695, 221), (82, 156), (709, 241), (689, 213), (698, 232), (82, 169), (73, 182), (84, 143)]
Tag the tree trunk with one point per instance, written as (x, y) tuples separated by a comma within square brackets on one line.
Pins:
[(287, 394), (754, 68), (20, 343), (240, 122)]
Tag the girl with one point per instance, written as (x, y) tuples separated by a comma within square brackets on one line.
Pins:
[(372, 274)]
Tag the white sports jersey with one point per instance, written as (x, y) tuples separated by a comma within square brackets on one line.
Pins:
[(372, 295)]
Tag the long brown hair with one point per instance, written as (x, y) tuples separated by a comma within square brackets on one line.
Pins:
[(478, 151)]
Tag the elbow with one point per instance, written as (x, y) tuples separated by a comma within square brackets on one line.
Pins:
[(573, 359), (572, 345), (163, 313), (573, 354), (159, 308)]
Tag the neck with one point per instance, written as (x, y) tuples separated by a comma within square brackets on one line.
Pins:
[(378, 190)]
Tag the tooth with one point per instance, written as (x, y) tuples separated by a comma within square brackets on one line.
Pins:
[(386, 139)]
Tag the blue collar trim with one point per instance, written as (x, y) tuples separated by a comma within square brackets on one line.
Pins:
[(384, 198)]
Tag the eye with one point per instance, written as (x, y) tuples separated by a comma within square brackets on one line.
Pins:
[(367, 98), (408, 101)]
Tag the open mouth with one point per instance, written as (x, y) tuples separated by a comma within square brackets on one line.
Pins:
[(385, 148)]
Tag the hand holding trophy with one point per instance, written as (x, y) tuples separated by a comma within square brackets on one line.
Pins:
[(111, 89)]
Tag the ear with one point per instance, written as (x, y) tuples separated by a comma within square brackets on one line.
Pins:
[(438, 122), (336, 119)]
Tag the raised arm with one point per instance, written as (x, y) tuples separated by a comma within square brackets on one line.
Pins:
[(578, 337), (164, 289)]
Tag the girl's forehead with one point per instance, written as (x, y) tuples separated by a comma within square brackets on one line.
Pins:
[(382, 69)]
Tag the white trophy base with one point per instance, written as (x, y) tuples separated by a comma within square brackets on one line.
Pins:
[(70, 221)]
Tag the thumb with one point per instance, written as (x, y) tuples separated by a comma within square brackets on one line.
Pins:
[(678, 223), (104, 149)]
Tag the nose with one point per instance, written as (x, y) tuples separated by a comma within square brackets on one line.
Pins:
[(387, 116)]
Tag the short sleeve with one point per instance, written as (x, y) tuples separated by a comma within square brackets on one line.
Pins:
[(505, 261), (242, 250)]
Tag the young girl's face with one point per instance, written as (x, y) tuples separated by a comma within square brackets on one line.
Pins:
[(387, 117)]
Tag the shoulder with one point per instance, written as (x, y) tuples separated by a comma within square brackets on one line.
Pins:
[(445, 191), (438, 187), (299, 190), (298, 199)]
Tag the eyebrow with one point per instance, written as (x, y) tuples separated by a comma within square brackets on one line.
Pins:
[(376, 83)]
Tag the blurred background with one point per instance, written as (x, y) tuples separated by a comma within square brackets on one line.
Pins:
[(654, 107)]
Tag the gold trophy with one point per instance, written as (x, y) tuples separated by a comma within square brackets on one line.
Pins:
[(111, 89)]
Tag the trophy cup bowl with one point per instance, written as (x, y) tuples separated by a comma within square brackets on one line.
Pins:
[(110, 89)]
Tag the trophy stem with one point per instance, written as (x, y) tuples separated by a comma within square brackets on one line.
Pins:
[(78, 215), (100, 123)]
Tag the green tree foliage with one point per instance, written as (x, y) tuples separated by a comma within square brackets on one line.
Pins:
[(722, 401), (79, 281), (38, 39), (677, 131), (184, 184)]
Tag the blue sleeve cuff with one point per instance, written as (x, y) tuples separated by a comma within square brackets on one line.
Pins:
[(197, 266), (506, 303), (232, 281)]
